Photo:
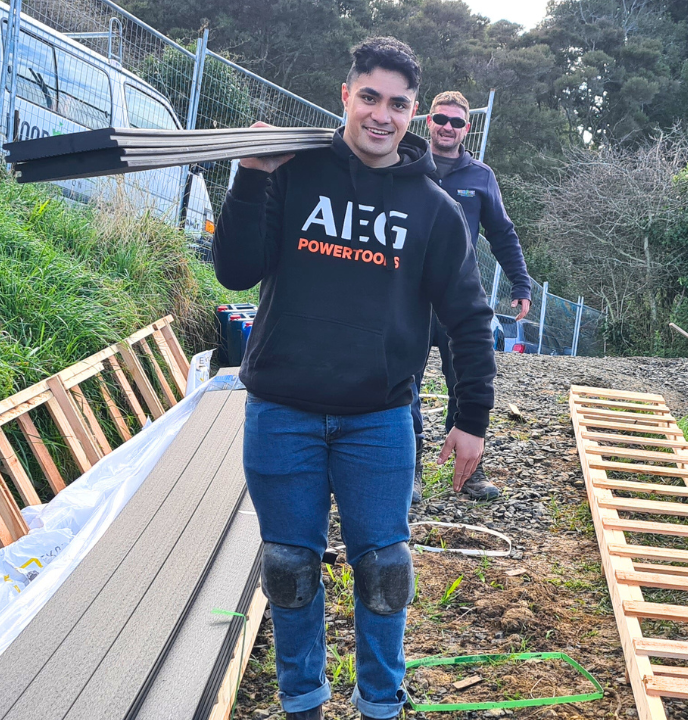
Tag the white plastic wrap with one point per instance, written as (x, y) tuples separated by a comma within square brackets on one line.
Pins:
[(85, 509), (199, 370)]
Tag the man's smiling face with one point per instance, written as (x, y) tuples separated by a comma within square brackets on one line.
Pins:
[(444, 139), (379, 107)]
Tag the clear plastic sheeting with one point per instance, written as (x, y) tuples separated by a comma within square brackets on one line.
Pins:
[(64, 531)]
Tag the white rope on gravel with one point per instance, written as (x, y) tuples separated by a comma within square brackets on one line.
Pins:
[(464, 551)]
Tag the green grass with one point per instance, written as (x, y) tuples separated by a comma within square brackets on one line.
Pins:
[(74, 279)]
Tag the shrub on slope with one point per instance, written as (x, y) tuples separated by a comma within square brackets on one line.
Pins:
[(74, 279)]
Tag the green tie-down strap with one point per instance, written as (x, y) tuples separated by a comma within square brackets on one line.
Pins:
[(481, 659)]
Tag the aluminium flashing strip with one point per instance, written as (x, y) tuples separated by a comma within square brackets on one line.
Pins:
[(625, 575), (46, 669), (179, 683)]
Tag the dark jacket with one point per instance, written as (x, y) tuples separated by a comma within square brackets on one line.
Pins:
[(344, 316), (473, 184)]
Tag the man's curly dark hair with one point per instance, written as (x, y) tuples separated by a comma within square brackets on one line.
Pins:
[(387, 53)]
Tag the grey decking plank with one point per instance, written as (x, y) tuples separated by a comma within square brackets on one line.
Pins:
[(21, 661), (114, 686), (162, 517), (180, 682)]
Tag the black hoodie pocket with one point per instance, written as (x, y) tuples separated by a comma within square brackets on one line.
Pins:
[(323, 362)]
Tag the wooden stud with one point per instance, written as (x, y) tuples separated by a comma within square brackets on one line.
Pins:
[(24, 407), (620, 416), (627, 427), (76, 427), (652, 647), (642, 469), (632, 453), (646, 526), (581, 390), (656, 611), (166, 389), (670, 670), (91, 419), (582, 401), (60, 420), (175, 347), (128, 391), (17, 473), (23, 396), (41, 453), (12, 523), (113, 411), (134, 366), (649, 553), (634, 440), (639, 487), (178, 376), (655, 580), (654, 507), (661, 569), (666, 687)]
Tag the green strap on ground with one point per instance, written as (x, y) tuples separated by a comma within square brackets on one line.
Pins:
[(482, 659)]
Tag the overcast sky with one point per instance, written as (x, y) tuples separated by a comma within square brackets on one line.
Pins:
[(524, 12)]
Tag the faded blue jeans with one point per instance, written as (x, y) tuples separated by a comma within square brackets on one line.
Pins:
[(294, 461)]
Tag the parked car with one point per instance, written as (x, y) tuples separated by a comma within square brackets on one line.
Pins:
[(523, 336), (64, 87)]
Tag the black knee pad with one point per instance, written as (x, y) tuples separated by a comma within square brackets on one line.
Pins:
[(290, 575), (384, 579)]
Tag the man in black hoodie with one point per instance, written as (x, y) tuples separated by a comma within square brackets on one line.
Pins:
[(353, 245)]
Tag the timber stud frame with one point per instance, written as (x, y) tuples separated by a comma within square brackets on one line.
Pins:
[(636, 428), (75, 419)]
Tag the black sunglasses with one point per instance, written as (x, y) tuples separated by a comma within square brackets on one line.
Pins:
[(456, 122)]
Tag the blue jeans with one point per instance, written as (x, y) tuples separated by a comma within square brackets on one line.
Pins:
[(293, 461)]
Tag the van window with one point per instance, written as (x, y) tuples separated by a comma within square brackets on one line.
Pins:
[(84, 92), (147, 112), (35, 71), (531, 332)]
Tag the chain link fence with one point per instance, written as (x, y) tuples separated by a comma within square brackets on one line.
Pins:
[(165, 85)]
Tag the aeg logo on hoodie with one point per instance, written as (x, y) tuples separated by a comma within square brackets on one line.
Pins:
[(322, 215)]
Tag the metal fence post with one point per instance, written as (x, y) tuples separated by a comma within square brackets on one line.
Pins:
[(13, 79), (495, 285), (543, 310), (486, 129), (8, 51), (192, 112), (577, 326)]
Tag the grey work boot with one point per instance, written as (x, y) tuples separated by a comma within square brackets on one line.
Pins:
[(418, 473), (478, 487), (312, 714)]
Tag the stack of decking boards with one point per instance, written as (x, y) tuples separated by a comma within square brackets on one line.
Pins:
[(635, 462), (130, 633), (111, 151)]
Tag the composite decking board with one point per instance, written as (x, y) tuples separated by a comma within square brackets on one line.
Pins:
[(179, 682), (21, 662), (232, 646), (105, 138), (128, 664)]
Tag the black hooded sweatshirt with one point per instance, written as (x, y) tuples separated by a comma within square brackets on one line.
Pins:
[(351, 258)]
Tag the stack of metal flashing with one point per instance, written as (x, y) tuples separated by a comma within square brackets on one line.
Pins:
[(130, 633), (112, 151)]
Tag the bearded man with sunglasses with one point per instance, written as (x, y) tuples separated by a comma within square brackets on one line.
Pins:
[(473, 185)]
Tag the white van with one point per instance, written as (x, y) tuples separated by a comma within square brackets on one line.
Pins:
[(64, 87)]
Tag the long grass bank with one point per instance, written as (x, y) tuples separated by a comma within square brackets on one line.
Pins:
[(74, 279)]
